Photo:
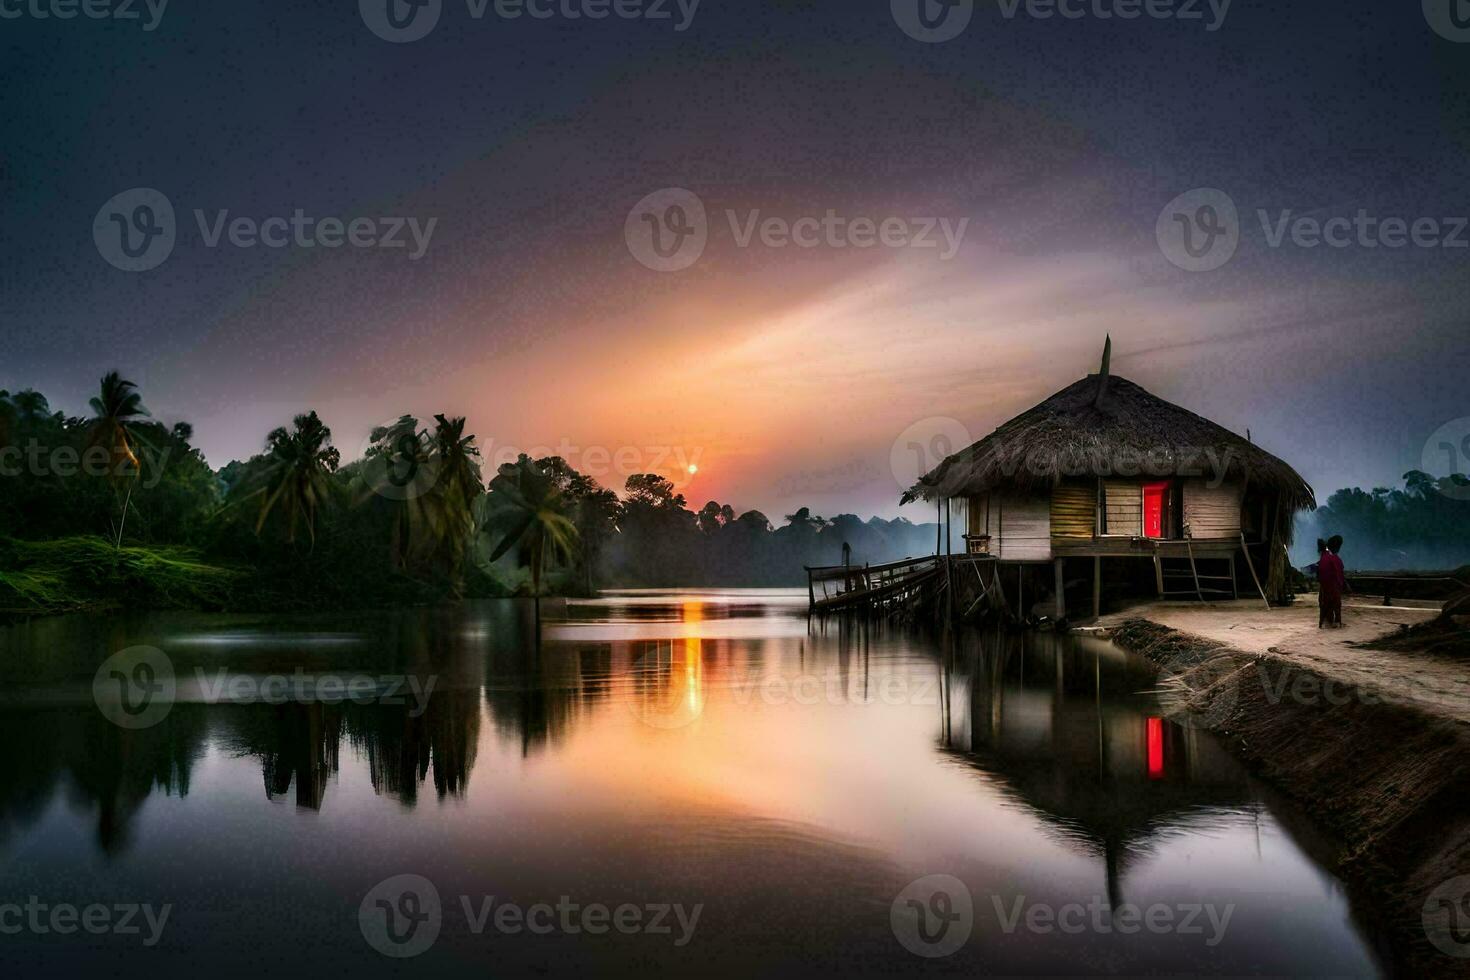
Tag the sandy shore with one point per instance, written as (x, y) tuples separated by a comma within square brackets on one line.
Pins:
[(1435, 684)]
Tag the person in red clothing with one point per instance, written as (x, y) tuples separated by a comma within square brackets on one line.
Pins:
[(1331, 583)]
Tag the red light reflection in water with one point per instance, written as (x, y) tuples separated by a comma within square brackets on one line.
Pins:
[(1156, 748)]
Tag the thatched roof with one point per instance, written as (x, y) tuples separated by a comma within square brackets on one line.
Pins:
[(1131, 433)]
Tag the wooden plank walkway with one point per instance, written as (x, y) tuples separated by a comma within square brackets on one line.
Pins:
[(835, 588)]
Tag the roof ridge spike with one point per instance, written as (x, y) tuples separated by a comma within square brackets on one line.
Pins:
[(1102, 372)]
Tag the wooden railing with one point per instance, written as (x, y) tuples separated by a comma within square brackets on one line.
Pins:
[(835, 586)]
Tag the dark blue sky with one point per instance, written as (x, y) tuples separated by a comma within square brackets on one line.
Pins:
[(530, 140)]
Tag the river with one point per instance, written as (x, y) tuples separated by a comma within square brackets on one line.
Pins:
[(702, 782)]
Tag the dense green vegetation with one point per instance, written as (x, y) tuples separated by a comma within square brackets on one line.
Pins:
[(119, 510), (1424, 525)]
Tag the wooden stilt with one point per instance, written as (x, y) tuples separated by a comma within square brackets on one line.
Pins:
[(1096, 586), (1159, 573), (1252, 566), (1193, 570), (1061, 589)]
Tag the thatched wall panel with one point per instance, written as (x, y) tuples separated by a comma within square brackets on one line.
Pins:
[(1074, 511), (1212, 512), (1024, 524), (1125, 508)]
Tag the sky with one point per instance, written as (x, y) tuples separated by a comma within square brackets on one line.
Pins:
[(889, 239)]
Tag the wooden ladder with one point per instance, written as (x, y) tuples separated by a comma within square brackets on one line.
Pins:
[(1180, 576)]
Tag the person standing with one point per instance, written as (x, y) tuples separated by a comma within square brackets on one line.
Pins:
[(1323, 567), (1331, 583)]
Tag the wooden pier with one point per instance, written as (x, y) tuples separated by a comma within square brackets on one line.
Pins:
[(873, 588)]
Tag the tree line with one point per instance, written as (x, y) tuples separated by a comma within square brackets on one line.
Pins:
[(1423, 525), (414, 519)]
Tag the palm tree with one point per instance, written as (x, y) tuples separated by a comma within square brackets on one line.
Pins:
[(300, 462), (457, 484), (116, 410), (397, 468), (525, 508)]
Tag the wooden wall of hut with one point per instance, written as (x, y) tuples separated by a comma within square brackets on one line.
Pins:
[(1074, 511), (1212, 511), (1020, 525), (1124, 502), (977, 515)]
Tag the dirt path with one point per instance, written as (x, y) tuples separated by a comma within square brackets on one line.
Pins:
[(1437, 684)]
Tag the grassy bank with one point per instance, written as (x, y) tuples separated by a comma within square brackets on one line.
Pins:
[(40, 578), (88, 574), (1389, 777)]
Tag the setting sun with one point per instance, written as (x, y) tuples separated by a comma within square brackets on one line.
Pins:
[(693, 469)]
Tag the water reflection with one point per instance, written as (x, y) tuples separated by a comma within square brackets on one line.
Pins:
[(802, 770), (1069, 732)]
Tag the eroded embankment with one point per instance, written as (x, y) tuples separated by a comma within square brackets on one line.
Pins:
[(1387, 775)]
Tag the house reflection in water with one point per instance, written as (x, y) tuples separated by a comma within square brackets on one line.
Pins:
[(1067, 727)]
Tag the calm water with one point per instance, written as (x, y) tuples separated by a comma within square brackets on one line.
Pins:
[(705, 753)]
